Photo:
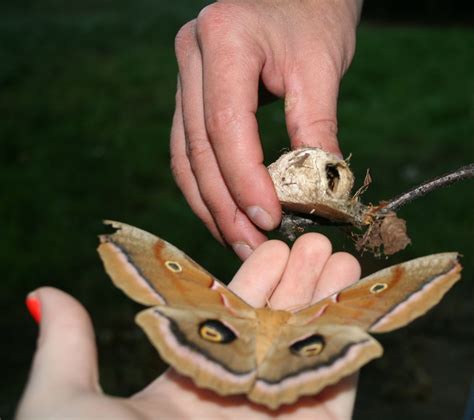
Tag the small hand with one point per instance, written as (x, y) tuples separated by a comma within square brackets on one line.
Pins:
[(300, 51), (64, 377)]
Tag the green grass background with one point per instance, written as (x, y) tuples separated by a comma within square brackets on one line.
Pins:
[(86, 100)]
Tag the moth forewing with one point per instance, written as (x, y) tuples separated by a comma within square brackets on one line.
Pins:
[(152, 271)]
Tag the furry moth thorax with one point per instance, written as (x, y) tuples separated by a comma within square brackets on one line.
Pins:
[(208, 333)]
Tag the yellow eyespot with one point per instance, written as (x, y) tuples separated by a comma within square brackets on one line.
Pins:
[(173, 266), (311, 350), (378, 287), (216, 332), (309, 346)]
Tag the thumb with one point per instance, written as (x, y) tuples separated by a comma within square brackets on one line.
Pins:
[(65, 361), (311, 106)]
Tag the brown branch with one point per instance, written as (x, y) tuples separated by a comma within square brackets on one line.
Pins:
[(465, 172)]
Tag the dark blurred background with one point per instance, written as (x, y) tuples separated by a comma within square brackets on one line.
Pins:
[(86, 100)]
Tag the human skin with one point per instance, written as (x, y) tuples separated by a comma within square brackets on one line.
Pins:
[(64, 378), (299, 50)]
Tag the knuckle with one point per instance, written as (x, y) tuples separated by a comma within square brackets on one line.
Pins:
[(185, 39), (220, 18), (197, 149), (218, 120), (311, 129), (211, 18), (223, 28), (326, 125)]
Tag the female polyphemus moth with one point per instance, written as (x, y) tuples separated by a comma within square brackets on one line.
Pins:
[(208, 333)]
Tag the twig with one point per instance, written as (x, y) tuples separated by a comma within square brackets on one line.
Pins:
[(465, 172)]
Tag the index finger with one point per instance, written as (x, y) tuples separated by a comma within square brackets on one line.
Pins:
[(230, 82)]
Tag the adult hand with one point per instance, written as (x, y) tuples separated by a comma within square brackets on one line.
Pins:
[(299, 50), (63, 381)]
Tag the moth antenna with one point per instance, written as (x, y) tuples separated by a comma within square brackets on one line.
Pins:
[(297, 308), (267, 300)]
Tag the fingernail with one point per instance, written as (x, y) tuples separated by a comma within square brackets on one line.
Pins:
[(242, 250), (34, 307), (260, 217)]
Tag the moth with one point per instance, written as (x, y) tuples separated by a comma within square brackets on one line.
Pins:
[(208, 333)]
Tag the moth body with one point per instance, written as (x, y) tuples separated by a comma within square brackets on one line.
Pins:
[(269, 327)]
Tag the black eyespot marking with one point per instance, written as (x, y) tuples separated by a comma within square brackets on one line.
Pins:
[(309, 346), (174, 266), (378, 287), (215, 331)]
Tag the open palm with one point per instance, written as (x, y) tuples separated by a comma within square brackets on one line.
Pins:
[(64, 377)]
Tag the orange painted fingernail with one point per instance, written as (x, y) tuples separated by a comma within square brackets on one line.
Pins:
[(34, 307)]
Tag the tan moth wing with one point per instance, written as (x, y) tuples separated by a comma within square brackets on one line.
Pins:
[(389, 298), (152, 271)]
